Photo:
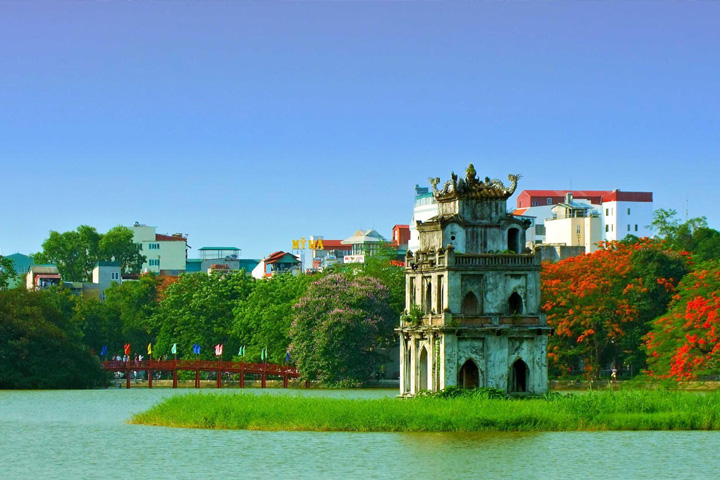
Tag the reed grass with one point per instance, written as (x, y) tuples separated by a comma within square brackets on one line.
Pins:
[(607, 410)]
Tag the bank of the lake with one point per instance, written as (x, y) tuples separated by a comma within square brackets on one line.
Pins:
[(606, 410)]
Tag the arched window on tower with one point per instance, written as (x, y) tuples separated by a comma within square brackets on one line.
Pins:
[(515, 304), (427, 303), (470, 305), (423, 370), (513, 240)]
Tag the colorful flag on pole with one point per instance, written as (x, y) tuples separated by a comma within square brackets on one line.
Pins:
[(103, 352), (196, 348), (127, 349), (174, 349), (287, 356), (264, 354), (149, 348), (218, 349)]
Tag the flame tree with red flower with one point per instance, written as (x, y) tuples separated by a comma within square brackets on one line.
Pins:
[(684, 343), (600, 304)]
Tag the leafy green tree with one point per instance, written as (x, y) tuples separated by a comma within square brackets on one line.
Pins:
[(384, 266), (129, 319), (264, 318), (41, 345), (77, 252), (117, 245), (7, 272), (340, 324), (693, 235), (199, 309)]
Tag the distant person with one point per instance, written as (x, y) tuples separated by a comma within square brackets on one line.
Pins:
[(613, 375)]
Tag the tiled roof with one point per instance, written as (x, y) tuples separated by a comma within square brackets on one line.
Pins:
[(169, 238)]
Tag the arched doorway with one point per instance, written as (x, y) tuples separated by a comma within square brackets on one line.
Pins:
[(470, 305), (423, 370), (515, 304), (513, 240), (519, 376), (469, 375)]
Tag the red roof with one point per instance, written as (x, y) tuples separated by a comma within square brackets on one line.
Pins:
[(169, 238), (335, 245), (276, 256), (596, 197)]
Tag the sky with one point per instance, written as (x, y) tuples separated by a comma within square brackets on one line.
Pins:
[(251, 124)]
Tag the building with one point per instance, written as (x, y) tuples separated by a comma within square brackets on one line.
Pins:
[(621, 213), (104, 275), (21, 265), (40, 277), (277, 262), (472, 298), (327, 253), (363, 242), (400, 239), (574, 223), (425, 208), (164, 254)]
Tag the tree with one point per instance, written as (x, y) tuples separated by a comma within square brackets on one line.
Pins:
[(41, 343), (600, 304), (77, 252), (693, 235), (117, 245), (7, 272), (338, 326), (198, 309), (264, 318), (684, 343)]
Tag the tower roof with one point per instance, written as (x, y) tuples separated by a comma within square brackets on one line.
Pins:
[(472, 187)]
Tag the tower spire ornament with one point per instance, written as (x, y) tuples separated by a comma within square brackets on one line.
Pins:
[(473, 314)]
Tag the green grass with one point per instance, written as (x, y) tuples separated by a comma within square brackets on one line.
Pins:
[(607, 410)]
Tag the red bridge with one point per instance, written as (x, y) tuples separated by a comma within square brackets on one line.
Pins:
[(197, 366)]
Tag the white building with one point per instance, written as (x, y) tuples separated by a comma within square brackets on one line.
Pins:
[(425, 208), (574, 223), (164, 254), (105, 274), (620, 213)]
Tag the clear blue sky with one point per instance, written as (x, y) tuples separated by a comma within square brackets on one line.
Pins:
[(250, 124)]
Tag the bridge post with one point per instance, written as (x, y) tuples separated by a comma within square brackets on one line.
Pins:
[(150, 375), (175, 377), (219, 378), (197, 378), (264, 376), (242, 375), (285, 380), (127, 376)]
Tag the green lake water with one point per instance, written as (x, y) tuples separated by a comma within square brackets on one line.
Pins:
[(85, 435)]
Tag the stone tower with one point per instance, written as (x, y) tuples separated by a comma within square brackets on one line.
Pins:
[(472, 296)]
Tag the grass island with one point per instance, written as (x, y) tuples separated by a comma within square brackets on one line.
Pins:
[(595, 410)]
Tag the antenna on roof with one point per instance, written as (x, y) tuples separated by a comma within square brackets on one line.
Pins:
[(686, 207)]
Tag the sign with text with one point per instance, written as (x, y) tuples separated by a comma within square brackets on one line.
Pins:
[(311, 244), (354, 259)]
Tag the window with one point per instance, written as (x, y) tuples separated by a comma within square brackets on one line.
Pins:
[(636, 227), (612, 228), (549, 201), (628, 211), (607, 228), (534, 203), (154, 246), (607, 212), (628, 227), (154, 262), (539, 229), (114, 276)]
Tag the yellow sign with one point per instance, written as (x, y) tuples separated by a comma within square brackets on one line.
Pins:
[(311, 244)]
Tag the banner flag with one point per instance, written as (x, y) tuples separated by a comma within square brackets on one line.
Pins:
[(103, 352), (287, 356), (149, 348), (127, 349), (218, 349), (174, 349)]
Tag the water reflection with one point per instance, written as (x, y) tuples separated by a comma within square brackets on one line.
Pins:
[(83, 434)]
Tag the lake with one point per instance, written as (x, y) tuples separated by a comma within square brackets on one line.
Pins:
[(83, 434)]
